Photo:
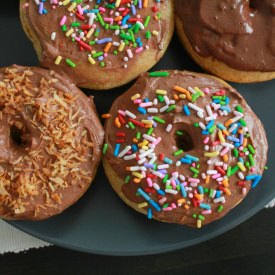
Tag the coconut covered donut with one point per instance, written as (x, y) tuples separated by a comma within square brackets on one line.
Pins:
[(98, 44), (51, 142), (183, 147), (230, 38)]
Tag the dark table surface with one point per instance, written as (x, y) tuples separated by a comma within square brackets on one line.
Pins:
[(247, 249)]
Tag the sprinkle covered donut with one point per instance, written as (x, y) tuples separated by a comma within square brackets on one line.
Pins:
[(233, 39), (98, 44), (51, 142), (183, 147)]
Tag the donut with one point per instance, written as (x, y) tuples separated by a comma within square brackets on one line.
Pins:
[(51, 143), (233, 39), (183, 147), (99, 44)]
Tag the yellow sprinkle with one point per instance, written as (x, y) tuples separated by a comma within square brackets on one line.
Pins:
[(72, 7), (136, 96), (161, 92), (147, 121), (181, 201), (145, 148), (117, 3), (144, 143), (90, 32), (58, 60), (66, 2), (198, 223), (138, 175), (221, 136), (182, 96), (142, 205), (69, 32), (241, 166), (211, 154), (121, 46), (200, 91), (156, 33), (91, 60)]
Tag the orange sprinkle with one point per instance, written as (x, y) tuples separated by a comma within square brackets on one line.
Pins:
[(118, 18), (199, 197), (135, 140), (182, 90), (106, 115), (117, 122), (145, 3), (175, 97), (107, 47), (225, 158), (148, 126), (207, 180), (186, 206), (228, 122), (127, 168), (244, 142), (156, 18), (240, 131), (225, 183), (136, 180), (181, 201), (225, 132), (227, 191)]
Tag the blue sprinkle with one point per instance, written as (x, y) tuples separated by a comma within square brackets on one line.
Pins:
[(116, 149), (241, 138), (241, 160), (225, 108), (251, 177), (143, 194), (183, 192), (210, 124), (155, 205), (142, 110), (133, 9), (231, 138), (134, 148), (161, 192), (104, 40), (205, 206), (227, 100), (205, 132), (218, 193), (256, 181), (177, 181), (185, 160), (167, 160), (149, 213), (124, 20), (146, 99), (220, 126), (191, 158), (200, 188), (186, 110)]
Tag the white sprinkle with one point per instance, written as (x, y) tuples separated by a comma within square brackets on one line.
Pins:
[(182, 177), (155, 101), (212, 172), (200, 114), (233, 127), (226, 144), (178, 163), (53, 35), (141, 160), (164, 108), (203, 176), (130, 157), (116, 44), (163, 166), (166, 99), (152, 110), (129, 114), (209, 110), (124, 151), (146, 153), (241, 175), (202, 126), (190, 89), (156, 186), (135, 168), (150, 138), (158, 174), (219, 163), (210, 118), (153, 160), (243, 190), (206, 147), (169, 128), (171, 191), (172, 101), (220, 199)]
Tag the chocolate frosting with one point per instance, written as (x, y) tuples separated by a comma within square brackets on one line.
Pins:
[(239, 33), (146, 86), (50, 146), (44, 25)]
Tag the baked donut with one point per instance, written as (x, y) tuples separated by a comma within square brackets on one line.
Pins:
[(99, 44), (233, 39), (183, 147), (51, 143)]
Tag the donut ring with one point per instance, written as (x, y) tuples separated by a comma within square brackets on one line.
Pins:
[(183, 147), (221, 37), (101, 49), (51, 141)]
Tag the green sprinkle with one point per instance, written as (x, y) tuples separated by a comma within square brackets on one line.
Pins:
[(172, 107), (247, 164), (138, 135), (211, 130), (194, 170), (101, 21), (105, 147), (239, 109), (195, 176), (177, 153), (160, 98), (211, 192), (165, 205), (75, 24), (102, 64), (180, 133), (242, 122), (235, 152), (127, 179), (234, 170), (201, 217), (206, 190), (147, 20), (150, 131), (178, 188), (132, 126), (220, 208), (158, 74), (266, 168), (92, 42), (158, 119), (251, 159), (165, 178), (115, 52), (148, 35), (70, 63), (251, 149), (64, 28), (196, 125), (228, 173), (194, 216), (98, 54), (195, 96)]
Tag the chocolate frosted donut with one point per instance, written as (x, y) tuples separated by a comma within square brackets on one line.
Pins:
[(51, 141), (233, 39), (183, 147), (98, 44)]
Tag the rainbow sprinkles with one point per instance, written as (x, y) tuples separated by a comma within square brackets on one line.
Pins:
[(105, 29), (228, 158)]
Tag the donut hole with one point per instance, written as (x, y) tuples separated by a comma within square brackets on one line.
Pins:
[(19, 136), (184, 140)]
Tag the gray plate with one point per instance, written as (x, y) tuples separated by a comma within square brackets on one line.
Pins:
[(100, 222)]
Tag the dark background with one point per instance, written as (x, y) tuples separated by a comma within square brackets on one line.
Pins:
[(247, 249)]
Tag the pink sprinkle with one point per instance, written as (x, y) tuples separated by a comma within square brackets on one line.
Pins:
[(26, 5), (206, 90), (102, 9), (121, 9), (167, 209), (224, 151), (173, 183), (253, 169), (149, 181), (205, 141), (130, 54), (108, 19), (216, 176), (94, 26), (139, 50), (163, 200), (63, 20), (192, 180), (105, 54), (173, 205), (121, 112), (184, 183), (157, 141), (193, 164), (206, 212), (243, 190), (137, 101), (241, 148), (80, 10), (190, 195), (145, 104)]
